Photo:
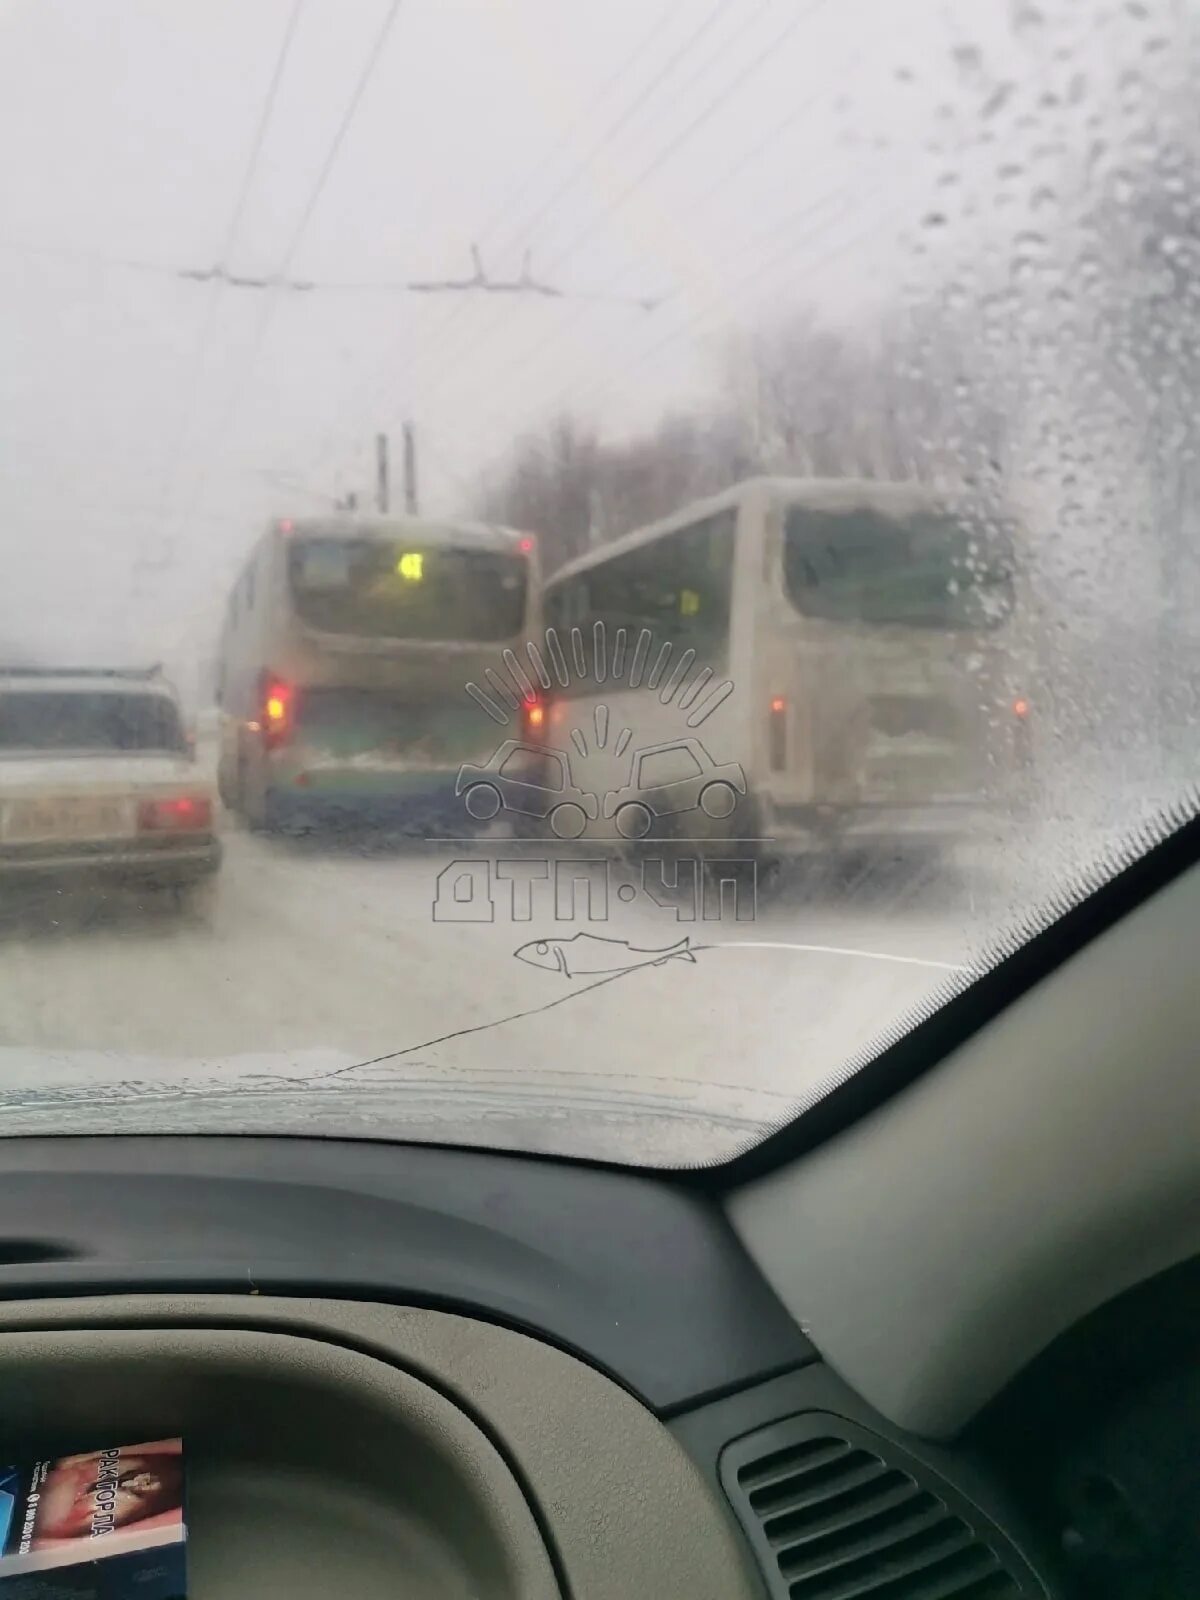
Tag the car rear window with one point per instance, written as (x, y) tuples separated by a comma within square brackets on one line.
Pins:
[(98, 720)]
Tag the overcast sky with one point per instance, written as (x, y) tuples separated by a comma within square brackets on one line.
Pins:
[(729, 155)]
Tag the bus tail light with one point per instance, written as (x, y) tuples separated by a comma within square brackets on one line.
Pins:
[(1022, 734), (777, 734), (277, 710), (184, 814)]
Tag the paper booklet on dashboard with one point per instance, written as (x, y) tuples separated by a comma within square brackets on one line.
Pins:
[(103, 1525)]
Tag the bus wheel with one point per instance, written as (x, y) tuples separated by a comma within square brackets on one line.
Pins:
[(718, 800), (254, 801), (483, 802), (568, 820), (634, 820)]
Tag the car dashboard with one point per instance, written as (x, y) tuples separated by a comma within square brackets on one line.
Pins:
[(447, 1373)]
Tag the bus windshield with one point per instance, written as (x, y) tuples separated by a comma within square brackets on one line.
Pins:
[(373, 589), (925, 571)]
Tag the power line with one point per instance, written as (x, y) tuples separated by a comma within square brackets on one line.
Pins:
[(631, 111), (236, 216), (623, 118), (260, 132), (750, 246), (709, 110), (297, 237), (794, 117), (618, 125), (665, 70), (86, 258), (809, 208), (360, 89), (506, 207), (703, 315)]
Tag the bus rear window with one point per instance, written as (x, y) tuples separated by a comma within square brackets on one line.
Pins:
[(923, 572), (386, 591), (100, 721), (346, 723)]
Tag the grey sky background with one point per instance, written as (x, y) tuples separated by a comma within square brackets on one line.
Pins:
[(784, 152)]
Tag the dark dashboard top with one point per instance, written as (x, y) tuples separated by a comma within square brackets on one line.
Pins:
[(637, 1275)]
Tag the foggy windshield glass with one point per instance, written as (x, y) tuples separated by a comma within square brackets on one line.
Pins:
[(924, 572), (670, 535)]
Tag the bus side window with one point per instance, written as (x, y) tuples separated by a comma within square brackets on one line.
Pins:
[(699, 565), (566, 606)]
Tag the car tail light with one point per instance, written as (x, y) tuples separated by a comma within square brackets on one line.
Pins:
[(184, 814), (278, 706), (777, 734), (1022, 735)]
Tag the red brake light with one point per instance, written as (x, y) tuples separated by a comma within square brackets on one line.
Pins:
[(276, 711), (777, 733), (186, 814)]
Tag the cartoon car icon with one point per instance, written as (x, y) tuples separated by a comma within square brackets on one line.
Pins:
[(507, 780), (665, 779)]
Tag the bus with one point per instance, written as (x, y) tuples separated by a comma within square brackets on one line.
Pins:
[(819, 665), (345, 648)]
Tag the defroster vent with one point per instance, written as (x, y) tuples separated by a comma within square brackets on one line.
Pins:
[(834, 1513)]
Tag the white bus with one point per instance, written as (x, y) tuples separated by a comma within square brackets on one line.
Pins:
[(822, 664), (346, 646)]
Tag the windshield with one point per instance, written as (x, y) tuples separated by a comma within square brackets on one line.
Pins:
[(49, 720), (408, 592), (572, 570), (923, 572)]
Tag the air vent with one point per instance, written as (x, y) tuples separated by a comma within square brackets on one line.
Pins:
[(835, 1513)]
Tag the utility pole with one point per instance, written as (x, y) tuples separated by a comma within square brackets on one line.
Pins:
[(382, 487), (410, 469)]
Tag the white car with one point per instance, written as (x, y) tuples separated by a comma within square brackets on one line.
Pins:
[(98, 783)]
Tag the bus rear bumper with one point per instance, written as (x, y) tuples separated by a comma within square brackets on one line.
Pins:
[(432, 811), (882, 827)]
